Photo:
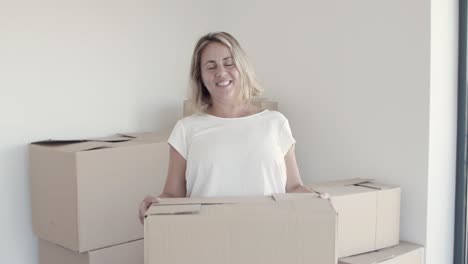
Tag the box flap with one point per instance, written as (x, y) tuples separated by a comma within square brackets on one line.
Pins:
[(119, 138), (336, 191), (235, 200), (158, 209), (140, 134), (349, 186), (319, 187), (75, 145), (55, 142), (213, 200), (344, 182), (378, 186), (148, 136), (83, 146), (382, 255), (115, 138), (293, 196)]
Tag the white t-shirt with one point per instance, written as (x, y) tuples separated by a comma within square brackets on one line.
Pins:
[(233, 156)]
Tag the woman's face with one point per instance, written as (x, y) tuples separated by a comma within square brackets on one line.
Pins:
[(219, 73)]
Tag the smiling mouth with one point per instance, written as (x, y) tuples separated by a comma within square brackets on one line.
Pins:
[(224, 83)]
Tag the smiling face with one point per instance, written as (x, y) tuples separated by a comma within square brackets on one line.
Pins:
[(219, 73)]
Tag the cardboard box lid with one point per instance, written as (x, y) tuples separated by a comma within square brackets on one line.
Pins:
[(149, 136), (382, 255), (119, 140), (172, 206), (345, 182), (348, 186)]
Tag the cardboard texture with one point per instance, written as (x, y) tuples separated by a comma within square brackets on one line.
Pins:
[(262, 103), (85, 194), (368, 214), (127, 253), (282, 229), (404, 253)]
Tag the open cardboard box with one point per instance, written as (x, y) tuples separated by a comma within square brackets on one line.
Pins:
[(85, 194), (278, 229), (368, 214), (404, 253)]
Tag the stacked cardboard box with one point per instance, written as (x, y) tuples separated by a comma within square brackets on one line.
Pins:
[(368, 222), (127, 253), (403, 253), (369, 214), (85, 195)]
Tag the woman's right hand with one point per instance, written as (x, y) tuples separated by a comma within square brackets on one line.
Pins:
[(144, 205)]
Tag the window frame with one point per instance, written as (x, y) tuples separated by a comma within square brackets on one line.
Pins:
[(460, 236)]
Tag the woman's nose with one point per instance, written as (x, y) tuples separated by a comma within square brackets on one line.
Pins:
[(220, 71)]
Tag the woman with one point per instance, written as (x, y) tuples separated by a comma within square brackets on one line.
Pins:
[(229, 147)]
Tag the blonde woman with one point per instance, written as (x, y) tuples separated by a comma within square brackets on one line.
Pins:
[(229, 147)]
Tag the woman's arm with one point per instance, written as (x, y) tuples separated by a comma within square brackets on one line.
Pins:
[(175, 182), (293, 181)]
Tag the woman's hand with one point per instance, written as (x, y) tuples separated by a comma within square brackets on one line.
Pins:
[(144, 205)]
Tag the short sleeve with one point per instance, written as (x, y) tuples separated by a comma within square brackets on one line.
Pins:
[(285, 138), (178, 139)]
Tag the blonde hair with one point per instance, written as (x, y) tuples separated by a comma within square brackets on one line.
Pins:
[(249, 85)]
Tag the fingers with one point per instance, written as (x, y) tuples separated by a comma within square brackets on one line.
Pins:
[(151, 199), (144, 205), (141, 213)]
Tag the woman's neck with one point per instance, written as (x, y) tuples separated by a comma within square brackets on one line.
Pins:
[(234, 110)]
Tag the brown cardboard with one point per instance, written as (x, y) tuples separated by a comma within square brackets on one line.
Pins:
[(260, 102), (127, 253), (368, 214), (85, 194), (286, 228), (404, 253)]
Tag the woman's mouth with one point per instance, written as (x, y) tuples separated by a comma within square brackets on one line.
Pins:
[(223, 83)]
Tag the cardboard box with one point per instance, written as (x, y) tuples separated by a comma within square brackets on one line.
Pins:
[(368, 214), (127, 253), (284, 228), (86, 194), (262, 103), (404, 253)]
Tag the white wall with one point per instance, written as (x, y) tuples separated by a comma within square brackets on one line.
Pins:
[(73, 69), (353, 77)]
